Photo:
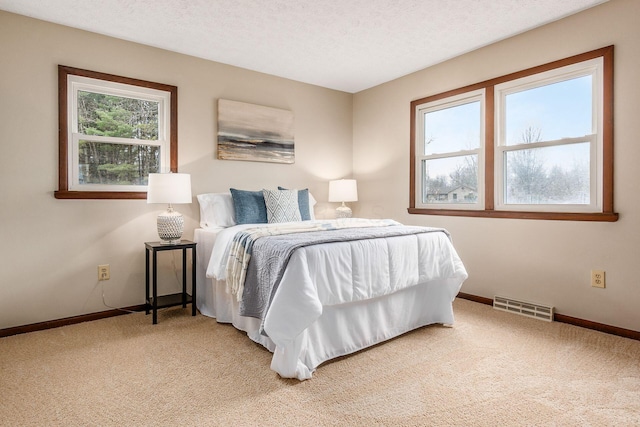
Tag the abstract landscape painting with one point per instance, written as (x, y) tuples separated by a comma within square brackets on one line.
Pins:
[(254, 133)]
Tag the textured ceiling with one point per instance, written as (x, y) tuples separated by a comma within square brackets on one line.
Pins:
[(348, 45)]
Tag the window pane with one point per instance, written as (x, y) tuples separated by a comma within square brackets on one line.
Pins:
[(549, 175), (451, 180), (117, 164), (452, 129), (550, 112), (116, 116)]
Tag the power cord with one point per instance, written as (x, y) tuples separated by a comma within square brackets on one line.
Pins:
[(114, 308), (175, 267)]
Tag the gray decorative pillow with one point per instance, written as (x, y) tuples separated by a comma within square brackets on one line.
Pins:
[(303, 203), (282, 205)]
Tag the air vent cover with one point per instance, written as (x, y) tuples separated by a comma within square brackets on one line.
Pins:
[(537, 311)]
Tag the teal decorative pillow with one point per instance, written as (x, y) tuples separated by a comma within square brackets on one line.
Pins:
[(282, 205), (249, 206), (303, 203)]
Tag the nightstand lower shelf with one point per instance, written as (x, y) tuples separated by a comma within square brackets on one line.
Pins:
[(165, 301)]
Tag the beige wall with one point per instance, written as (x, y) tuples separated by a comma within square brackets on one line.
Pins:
[(51, 248), (541, 261)]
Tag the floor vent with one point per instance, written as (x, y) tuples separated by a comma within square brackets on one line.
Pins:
[(528, 309)]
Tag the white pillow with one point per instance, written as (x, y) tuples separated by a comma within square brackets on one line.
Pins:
[(216, 210), (282, 205)]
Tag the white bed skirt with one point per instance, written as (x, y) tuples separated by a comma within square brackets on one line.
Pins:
[(341, 329)]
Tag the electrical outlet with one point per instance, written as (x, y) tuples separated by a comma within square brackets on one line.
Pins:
[(104, 272), (597, 278)]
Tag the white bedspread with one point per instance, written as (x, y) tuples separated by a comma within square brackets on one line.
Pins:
[(330, 275)]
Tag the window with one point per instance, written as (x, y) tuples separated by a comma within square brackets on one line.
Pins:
[(536, 144), (549, 131), (450, 142), (114, 131)]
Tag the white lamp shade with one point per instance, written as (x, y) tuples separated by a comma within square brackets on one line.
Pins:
[(169, 188), (343, 190)]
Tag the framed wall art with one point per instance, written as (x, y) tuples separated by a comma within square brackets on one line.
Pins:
[(254, 133)]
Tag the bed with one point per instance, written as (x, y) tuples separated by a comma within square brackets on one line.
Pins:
[(333, 297)]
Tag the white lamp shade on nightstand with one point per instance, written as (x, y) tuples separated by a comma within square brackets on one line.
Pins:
[(343, 190), (169, 188)]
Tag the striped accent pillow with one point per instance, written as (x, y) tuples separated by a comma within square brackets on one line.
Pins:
[(282, 205)]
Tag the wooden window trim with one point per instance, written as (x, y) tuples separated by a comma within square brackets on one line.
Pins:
[(607, 214), (63, 191)]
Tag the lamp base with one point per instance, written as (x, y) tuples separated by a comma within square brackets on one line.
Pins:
[(170, 242), (343, 211), (170, 227)]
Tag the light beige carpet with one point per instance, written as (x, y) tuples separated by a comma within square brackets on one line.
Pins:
[(490, 369)]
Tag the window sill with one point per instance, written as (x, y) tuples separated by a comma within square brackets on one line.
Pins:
[(557, 216), (125, 195)]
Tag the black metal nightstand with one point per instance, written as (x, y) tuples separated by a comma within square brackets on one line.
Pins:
[(153, 302)]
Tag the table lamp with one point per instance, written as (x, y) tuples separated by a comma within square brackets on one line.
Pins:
[(169, 188), (343, 190)]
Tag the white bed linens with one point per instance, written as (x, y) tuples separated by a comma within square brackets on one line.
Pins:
[(239, 251), (337, 298)]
